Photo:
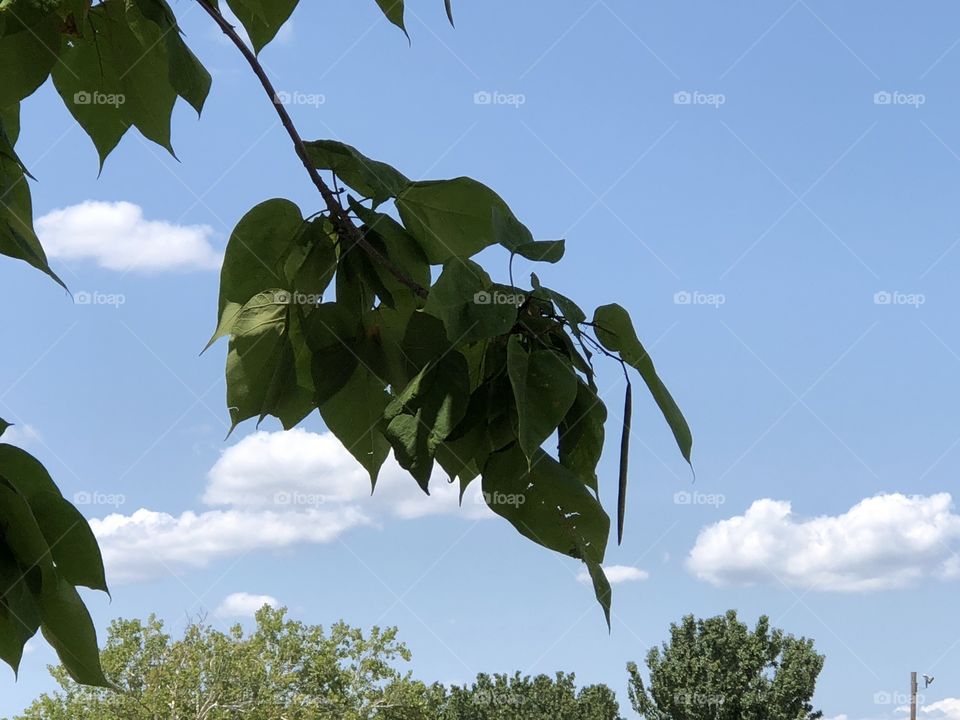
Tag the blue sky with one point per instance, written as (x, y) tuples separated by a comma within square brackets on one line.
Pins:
[(770, 188)]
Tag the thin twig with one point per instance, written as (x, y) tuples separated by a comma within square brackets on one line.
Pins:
[(338, 214)]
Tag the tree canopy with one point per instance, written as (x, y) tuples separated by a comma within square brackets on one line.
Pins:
[(286, 670), (719, 669), (368, 308)]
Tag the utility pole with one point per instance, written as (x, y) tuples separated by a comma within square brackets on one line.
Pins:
[(913, 696)]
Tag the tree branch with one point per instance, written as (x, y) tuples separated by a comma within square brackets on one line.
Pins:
[(338, 214)]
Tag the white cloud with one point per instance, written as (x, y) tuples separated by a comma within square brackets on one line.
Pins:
[(883, 542), (278, 490), (617, 574), (243, 604), (149, 544), (118, 237), (947, 709)]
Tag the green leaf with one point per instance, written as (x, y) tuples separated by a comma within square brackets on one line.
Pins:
[(545, 388), (19, 615), (331, 333), (455, 218), (17, 237), (27, 54), (624, 461), (393, 9), (73, 545), (423, 415), (69, 630), (601, 586), (254, 258), (375, 180), (581, 435), (117, 77), (3, 426), (262, 19), (548, 504), (355, 416), (449, 6), (261, 370), (549, 251), (471, 307), (398, 246), (187, 74), (617, 334)]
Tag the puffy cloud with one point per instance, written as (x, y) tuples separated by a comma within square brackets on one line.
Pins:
[(617, 574), (243, 604), (883, 542), (118, 237), (277, 490), (947, 709), (149, 544)]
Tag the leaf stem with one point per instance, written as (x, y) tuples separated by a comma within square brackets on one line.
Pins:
[(338, 214)]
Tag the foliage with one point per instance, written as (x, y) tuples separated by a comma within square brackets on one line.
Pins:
[(46, 550), (285, 670), (515, 697), (370, 310), (718, 669)]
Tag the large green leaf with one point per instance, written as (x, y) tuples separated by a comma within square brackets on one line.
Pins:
[(28, 51), (423, 415), (375, 180), (355, 416), (3, 426), (17, 237), (187, 74), (19, 614), (616, 332), (69, 630), (122, 74), (455, 218), (262, 19), (545, 387), (255, 256), (581, 435), (547, 503), (469, 304)]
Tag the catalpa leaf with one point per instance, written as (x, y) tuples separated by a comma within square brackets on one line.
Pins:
[(262, 19), (28, 51), (373, 179)]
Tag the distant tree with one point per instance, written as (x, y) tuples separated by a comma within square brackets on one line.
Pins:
[(502, 697), (283, 670), (717, 669)]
